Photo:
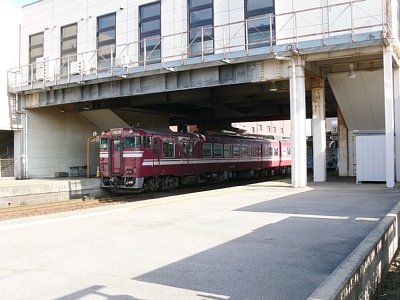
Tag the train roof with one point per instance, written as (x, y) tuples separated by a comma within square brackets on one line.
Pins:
[(196, 134)]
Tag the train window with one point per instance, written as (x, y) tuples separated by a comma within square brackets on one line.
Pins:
[(259, 150), (104, 143), (132, 142), (155, 150), (117, 145), (168, 150), (270, 152), (207, 150), (244, 150), (218, 150), (147, 142), (187, 149), (288, 150), (227, 150), (276, 152), (236, 150), (250, 153)]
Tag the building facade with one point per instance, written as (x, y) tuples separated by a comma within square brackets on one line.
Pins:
[(79, 56)]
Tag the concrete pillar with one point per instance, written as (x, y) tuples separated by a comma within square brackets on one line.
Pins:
[(396, 81), (389, 116), (319, 130), (298, 123), (343, 145)]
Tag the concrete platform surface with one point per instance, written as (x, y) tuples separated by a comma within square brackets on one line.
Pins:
[(259, 241), (34, 191)]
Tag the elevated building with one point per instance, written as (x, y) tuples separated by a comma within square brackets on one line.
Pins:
[(89, 65)]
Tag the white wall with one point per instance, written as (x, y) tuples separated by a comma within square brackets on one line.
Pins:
[(10, 19), (56, 142), (53, 14)]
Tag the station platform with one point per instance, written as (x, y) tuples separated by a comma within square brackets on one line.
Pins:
[(35, 191), (262, 240)]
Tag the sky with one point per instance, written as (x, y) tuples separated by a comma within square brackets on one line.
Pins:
[(22, 2)]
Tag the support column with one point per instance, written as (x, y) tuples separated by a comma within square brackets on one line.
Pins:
[(298, 123), (389, 115), (396, 81), (343, 158), (319, 130)]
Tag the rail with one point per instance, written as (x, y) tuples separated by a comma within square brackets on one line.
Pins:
[(318, 26)]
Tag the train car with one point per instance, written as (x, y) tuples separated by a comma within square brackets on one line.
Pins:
[(141, 159)]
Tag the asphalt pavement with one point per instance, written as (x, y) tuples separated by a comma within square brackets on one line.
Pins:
[(258, 241)]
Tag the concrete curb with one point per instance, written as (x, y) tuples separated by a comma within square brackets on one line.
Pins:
[(359, 275), (45, 191)]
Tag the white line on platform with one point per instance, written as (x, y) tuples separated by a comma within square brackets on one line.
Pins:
[(62, 219)]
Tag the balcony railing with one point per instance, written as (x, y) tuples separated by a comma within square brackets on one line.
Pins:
[(346, 22)]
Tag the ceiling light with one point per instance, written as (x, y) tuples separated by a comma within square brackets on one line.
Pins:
[(171, 69), (273, 87), (351, 74), (86, 106), (62, 109)]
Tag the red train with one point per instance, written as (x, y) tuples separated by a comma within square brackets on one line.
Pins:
[(133, 158)]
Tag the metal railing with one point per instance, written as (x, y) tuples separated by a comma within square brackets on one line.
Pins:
[(266, 34)]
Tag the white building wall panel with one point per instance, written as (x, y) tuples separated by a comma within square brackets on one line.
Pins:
[(307, 25), (10, 15), (56, 142)]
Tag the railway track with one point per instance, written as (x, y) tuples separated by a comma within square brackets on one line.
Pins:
[(53, 207)]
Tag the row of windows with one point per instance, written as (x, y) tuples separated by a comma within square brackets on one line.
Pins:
[(216, 150), (200, 23), (236, 150), (260, 128), (128, 142)]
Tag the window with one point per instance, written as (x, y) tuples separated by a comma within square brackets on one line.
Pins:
[(35, 51), (270, 151), (236, 150), (150, 33), (250, 151), (105, 40), (168, 150), (260, 128), (227, 150), (274, 129), (268, 128), (281, 130), (187, 149), (155, 150), (244, 151), (288, 151), (258, 27), (132, 142), (147, 142), (117, 145), (276, 151), (207, 150), (103, 143), (218, 150), (68, 46), (201, 23)]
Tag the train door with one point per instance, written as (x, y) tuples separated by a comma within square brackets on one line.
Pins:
[(116, 159), (156, 155), (187, 154)]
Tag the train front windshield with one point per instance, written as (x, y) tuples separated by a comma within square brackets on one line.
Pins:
[(103, 143), (132, 142)]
